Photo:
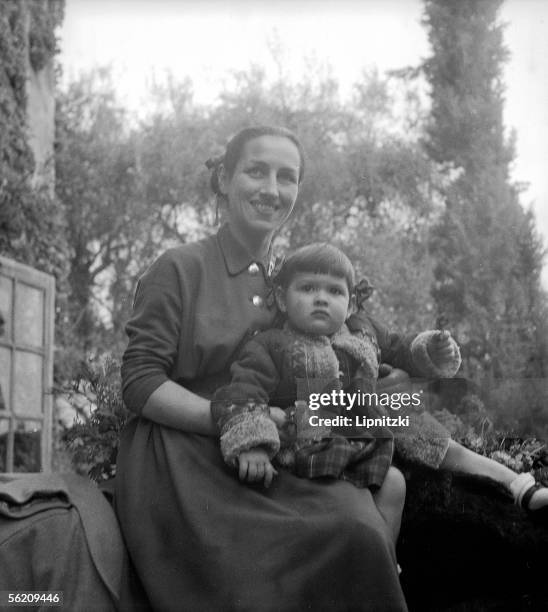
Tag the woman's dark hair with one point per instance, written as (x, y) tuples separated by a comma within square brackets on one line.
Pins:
[(318, 258), (236, 145)]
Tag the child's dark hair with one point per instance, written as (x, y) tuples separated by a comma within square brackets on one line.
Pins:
[(236, 145), (318, 258)]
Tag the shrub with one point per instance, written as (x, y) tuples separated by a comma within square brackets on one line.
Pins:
[(93, 440)]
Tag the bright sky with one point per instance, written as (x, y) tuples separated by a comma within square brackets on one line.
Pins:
[(206, 39)]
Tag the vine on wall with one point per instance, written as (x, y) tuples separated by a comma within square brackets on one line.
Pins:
[(31, 220), (44, 19)]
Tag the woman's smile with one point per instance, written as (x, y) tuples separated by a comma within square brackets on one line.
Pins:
[(265, 207)]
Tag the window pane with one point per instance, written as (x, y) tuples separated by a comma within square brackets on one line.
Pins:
[(29, 315), (6, 288), (27, 396), (4, 428), (5, 370), (27, 443)]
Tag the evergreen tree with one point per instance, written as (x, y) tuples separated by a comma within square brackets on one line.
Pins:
[(489, 257)]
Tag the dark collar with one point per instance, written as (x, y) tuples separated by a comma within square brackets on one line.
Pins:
[(236, 256)]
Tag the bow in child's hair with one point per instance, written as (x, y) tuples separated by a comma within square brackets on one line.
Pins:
[(363, 291), (214, 162), (274, 266)]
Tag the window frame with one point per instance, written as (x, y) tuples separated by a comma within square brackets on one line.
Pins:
[(21, 274)]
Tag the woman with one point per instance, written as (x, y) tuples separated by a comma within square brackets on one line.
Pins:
[(199, 539)]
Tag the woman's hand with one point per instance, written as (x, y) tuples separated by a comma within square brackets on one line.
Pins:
[(392, 380), (254, 465), (278, 416), (286, 431)]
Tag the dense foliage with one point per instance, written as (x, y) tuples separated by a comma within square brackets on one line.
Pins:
[(31, 219), (94, 442)]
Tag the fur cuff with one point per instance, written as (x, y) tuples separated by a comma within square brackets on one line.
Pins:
[(423, 362), (246, 431)]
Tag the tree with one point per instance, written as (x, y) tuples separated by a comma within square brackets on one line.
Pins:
[(488, 256), (97, 179)]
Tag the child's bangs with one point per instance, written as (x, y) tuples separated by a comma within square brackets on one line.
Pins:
[(317, 259)]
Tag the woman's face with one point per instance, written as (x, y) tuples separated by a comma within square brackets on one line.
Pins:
[(263, 187)]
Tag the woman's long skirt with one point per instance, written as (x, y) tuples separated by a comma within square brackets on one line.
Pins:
[(201, 540)]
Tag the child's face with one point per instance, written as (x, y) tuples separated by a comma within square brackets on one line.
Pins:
[(316, 304)]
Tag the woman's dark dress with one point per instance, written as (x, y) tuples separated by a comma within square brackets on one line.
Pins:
[(200, 539)]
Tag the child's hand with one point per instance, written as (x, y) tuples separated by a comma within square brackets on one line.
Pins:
[(254, 465), (442, 349)]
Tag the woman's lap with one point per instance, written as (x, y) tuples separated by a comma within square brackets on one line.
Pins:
[(201, 540)]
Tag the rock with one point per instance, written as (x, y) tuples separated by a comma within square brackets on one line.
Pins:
[(465, 546)]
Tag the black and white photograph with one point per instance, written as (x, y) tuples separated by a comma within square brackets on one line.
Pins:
[(274, 305)]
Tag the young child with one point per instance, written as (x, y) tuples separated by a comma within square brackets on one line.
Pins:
[(325, 344), (316, 351)]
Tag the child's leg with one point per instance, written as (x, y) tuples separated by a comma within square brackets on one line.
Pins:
[(459, 458), (390, 499)]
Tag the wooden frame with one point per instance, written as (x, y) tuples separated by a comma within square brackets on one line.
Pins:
[(18, 349)]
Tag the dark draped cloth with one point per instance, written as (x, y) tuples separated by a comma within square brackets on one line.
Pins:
[(59, 534)]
